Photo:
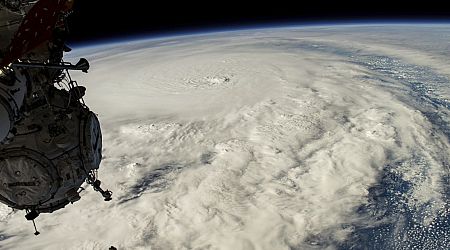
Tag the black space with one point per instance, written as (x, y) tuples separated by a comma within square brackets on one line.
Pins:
[(96, 19)]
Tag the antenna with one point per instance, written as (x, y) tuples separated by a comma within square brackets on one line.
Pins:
[(31, 215), (36, 232)]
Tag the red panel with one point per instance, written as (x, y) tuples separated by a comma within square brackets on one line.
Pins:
[(36, 28)]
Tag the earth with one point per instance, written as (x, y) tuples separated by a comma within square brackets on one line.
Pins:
[(308, 137)]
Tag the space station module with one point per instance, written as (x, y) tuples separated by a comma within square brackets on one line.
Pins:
[(50, 141)]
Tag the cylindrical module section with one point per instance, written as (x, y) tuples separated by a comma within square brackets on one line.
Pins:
[(5, 121), (28, 178), (12, 92)]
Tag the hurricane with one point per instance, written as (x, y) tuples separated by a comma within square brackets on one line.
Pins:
[(299, 137)]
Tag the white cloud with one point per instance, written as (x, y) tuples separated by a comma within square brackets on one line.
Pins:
[(278, 157)]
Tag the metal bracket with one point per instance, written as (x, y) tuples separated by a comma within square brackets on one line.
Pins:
[(82, 65)]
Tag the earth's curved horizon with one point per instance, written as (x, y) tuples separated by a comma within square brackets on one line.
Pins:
[(211, 31), (312, 137)]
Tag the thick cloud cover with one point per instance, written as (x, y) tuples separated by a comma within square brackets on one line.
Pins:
[(295, 138)]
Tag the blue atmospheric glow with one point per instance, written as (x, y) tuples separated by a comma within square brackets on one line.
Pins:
[(256, 26)]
